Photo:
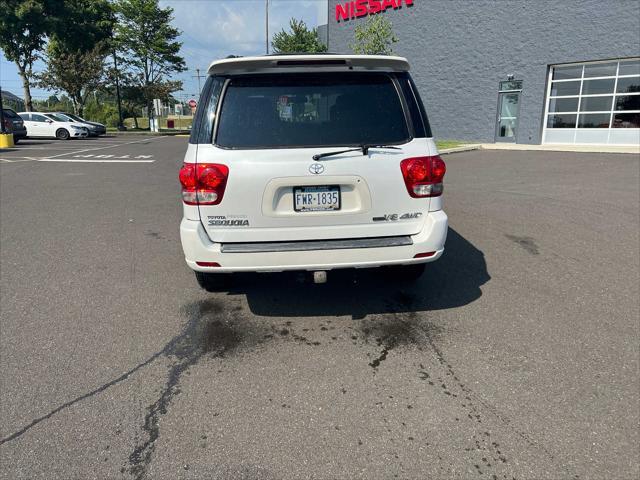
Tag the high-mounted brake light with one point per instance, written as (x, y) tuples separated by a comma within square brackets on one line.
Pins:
[(203, 183), (423, 176)]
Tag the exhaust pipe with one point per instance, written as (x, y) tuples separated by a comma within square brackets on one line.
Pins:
[(320, 277)]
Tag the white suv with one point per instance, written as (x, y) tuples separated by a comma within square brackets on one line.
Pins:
[(310, 162)]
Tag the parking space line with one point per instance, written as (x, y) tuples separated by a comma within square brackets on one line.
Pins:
[(42, 148), (108, 146), (18, 159), (90, 160)]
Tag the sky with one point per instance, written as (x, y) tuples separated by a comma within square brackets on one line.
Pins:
[(211, 29)]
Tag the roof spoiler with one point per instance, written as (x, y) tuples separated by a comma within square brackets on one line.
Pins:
[(301, 63)]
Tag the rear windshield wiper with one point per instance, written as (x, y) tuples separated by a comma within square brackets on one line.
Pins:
[(362, 148)]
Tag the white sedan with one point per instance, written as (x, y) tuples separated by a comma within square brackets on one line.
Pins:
[(49, 125)]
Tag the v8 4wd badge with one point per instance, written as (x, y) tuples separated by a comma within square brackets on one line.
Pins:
[(394, 217)]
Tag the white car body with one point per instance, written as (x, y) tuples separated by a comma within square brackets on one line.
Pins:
[(93, 128), (45, 125), (255, 228)]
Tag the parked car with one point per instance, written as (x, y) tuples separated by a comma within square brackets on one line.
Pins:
[(41, 124), (314, 163), (95, 129), (14, 124)]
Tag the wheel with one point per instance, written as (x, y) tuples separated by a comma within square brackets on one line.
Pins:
[(212, 282), (408, 273), (62, 134)]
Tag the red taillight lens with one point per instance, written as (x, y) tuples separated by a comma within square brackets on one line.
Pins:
[(188, 175), (423, 176), (203, 183), (424, 255)]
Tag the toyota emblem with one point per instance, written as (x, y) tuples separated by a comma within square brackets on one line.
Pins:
[(316, 168)]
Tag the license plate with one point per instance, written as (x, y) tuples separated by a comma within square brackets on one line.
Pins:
[(316, 198)]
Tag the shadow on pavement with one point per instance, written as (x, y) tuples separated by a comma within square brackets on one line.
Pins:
[(452, 281)]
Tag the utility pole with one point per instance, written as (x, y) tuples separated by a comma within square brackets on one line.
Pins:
[(1, 114), (198, 76), (115, 67), (267, 24)]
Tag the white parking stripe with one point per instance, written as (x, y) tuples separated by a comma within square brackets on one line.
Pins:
[(88, 160), (109, 146)]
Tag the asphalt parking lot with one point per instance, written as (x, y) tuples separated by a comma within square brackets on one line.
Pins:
[(515, 356)]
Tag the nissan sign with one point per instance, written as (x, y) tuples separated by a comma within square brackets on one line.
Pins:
[(362, 8)]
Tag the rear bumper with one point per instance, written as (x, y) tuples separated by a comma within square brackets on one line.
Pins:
[(20, 133), (198, 248)]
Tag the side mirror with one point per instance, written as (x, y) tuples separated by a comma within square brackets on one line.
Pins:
[(49, 121)]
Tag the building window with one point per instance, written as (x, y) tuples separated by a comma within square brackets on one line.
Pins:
[(594, 102)]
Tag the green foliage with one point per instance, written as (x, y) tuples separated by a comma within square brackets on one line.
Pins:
[(74, 72), (54, 104), (374, 37), (299, 40), (80, 25), (24, 27), (106, 113), (149, 47), (74, 25)]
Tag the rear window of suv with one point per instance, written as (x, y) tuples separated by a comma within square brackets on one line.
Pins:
[(311, 110), (10, 113)]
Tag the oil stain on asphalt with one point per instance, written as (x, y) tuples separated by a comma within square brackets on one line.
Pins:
[(527, 243), (210, 331)]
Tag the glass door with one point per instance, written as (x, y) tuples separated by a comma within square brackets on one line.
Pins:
[(507, 122)]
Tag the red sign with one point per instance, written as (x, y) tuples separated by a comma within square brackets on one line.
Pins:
[(362, 8), (192, 103)]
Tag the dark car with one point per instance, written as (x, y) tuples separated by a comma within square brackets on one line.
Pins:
[(95, 128), (13, 123)]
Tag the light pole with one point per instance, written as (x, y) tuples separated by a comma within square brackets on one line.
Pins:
[(120, 125), (266, 4), (1, 114)]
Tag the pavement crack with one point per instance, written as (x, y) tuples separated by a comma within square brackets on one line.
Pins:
[(467, 400), (206, 333), (68, 404)]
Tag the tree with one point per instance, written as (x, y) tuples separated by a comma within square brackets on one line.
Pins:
[(81, 24), (149, 47), (24, 27), (75, 73), (374, 37), (299, 40), (79, 35)]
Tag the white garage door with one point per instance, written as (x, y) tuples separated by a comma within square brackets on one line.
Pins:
[(594, 103)]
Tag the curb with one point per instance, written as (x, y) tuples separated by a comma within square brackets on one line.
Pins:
[(520, 147), (147, 132), (464, 148)]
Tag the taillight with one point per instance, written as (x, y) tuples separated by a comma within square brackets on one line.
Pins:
[(203, 183), (423, 176)]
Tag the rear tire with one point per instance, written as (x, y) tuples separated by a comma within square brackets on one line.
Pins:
[(408, 273), (62, 134), (213, 282)]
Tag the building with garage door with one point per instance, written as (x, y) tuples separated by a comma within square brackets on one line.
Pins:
[(524, 71)]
